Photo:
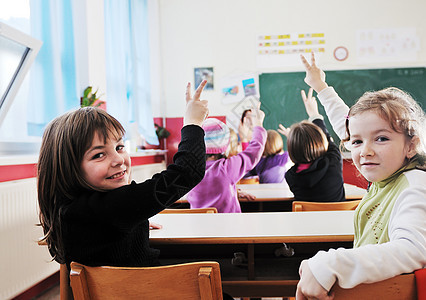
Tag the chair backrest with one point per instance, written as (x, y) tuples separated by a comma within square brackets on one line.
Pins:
[(198, 280), (206, 210), (396, 288), (323, 206)]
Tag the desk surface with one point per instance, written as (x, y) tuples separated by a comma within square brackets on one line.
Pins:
[(281, 191), (253, 228), (268, 192)]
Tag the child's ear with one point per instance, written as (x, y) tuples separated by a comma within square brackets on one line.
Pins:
[(412, 146)]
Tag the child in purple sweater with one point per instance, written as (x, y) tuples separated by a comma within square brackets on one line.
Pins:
[(272, 167), (218, 188)]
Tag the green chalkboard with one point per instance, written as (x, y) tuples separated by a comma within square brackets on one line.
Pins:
[(282, 103)]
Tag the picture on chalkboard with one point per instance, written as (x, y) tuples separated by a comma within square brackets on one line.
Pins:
[(201, 74)]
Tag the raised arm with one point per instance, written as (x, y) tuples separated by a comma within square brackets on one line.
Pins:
[(335, 107), (311, 107), (311, 104)]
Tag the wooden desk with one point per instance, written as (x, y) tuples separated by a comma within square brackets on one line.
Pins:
[(187, 237)]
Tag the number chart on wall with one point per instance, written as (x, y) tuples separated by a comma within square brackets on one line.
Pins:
[(283, 50)]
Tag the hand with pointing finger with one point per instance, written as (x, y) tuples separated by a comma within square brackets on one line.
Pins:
[(315, 77), (196, 110)]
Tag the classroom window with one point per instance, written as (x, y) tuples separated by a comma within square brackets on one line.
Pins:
[(16, 14), (50, 87), (128, 67)]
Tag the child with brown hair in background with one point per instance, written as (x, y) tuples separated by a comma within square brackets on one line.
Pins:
[(317, 174)]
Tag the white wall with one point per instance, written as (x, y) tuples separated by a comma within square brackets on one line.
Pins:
[(222, 33)]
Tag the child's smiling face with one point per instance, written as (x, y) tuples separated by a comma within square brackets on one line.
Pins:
[(377, 150), (106, 166)]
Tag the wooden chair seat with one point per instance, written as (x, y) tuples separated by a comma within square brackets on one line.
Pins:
[(191, 281), (324, 206)]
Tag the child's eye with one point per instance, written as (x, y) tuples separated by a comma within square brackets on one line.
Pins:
[(97, 155), (356, 142), (120, 147), (382, 139)]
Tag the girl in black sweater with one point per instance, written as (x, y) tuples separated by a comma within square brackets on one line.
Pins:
[(90, 210), (317, 171)]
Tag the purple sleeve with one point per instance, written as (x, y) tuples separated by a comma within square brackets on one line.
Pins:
[(282, 158), (237, 166)]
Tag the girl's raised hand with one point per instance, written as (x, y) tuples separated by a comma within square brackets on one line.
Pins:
[(315, 77), (283, 130), (310, 102), (257, 116), (245, 129), (196, 110)]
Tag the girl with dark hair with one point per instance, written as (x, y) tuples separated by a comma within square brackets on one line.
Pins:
[(317, 171), (90, 210)]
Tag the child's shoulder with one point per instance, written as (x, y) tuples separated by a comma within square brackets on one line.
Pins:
[(415, 177)]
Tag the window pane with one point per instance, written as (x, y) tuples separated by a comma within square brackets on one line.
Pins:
[(11, 55)]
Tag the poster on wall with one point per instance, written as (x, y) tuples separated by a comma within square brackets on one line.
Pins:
[(201, 74), (234, 88), (283, 50), (233, 118), (387, 45)]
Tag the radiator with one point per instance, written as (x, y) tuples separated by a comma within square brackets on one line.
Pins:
[(23, 263)]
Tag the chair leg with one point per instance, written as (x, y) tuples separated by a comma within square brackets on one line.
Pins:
[(64, 283)]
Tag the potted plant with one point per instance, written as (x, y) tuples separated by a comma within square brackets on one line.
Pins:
[(90, 98)]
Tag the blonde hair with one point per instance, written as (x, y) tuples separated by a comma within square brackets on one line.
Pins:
[(306, 142), (402, 112), (274, 143), (233, 144)]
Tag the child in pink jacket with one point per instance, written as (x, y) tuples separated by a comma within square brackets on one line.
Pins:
[(218, 188)]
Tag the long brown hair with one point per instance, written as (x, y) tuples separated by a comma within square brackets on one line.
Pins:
[(402, 112), (59, 176), (306, 142)]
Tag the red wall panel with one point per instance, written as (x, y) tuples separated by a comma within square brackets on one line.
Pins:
[(174, 125)]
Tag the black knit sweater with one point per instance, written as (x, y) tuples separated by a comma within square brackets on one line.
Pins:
[(111, 228), (323, 180)]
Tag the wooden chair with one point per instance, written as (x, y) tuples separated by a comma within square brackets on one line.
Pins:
[(323, 206), (396, 288), (251, 180), (198, 280), (64, 280), (206, 210)]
